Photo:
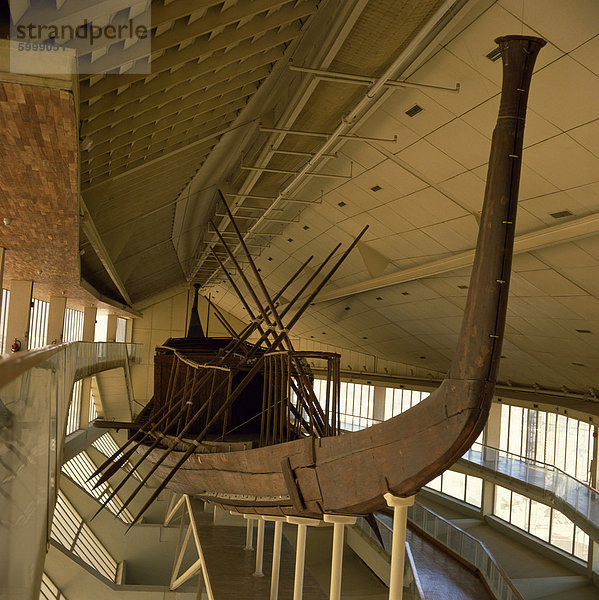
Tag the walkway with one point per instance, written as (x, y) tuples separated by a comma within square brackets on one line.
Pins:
[(443, 577), (538, 481), (535, 576)]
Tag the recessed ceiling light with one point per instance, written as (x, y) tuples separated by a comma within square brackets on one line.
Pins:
[(423, 357), (577, 364), (364, 337), (376, 188), (494, 55), (269, 258), (561, 214), (347, 308), (324, 333), (463, 287), (378, 298), (306, 227), (341, 204), (584, 331), (405, 293), (290, 239), (412, 112)]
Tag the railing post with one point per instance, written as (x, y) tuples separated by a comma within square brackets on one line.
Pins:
[(398, 549), (339, 523)]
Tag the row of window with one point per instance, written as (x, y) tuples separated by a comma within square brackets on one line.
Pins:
[(550, 438), (72, 329), (557, 440)]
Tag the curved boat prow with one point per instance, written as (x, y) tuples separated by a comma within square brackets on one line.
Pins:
[(433, 435)]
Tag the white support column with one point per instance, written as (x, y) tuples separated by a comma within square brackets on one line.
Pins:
[(111, 328), (398, 548), (300, 552), (259, 549), (249, 532), (19, 309), (339, 523), (56, 310), (276, 556)]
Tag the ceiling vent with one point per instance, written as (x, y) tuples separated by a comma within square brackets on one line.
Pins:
[(412, 112), (494, 55), (561, 214), (376, 188)]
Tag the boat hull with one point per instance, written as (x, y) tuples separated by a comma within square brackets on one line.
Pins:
[(347, 474)]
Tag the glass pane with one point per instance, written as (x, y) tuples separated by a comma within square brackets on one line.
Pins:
[(560, 441), (435, 484), (562, 531), (583, 462), (515, 432), (541, 427), (572, 442), (474, 490), (454, 484), (502, 503), (581, 544), (505, 423), (550, 443), (520, 507), (540, 517), (389, 392)]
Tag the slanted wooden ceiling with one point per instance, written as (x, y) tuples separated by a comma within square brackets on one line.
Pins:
[(153, 150), (145, 136)]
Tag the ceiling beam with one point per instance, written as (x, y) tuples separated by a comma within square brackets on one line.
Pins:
[(89, 228), (173, 108), (113, 102), (182, 31), (155, 148), (195, 86), (203, 48), (550, 236), (207, 137), (204, 111), (172, 135)]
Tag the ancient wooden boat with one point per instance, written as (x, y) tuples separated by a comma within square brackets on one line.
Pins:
[(301, 465)]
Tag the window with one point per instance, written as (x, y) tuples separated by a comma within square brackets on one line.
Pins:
[(48, 591), (4, 319), (554, 439), (466, 488), (69, 530), (80, 469), (72, 331), (398, 400), (38, 324), (107, 446), (541, 521)]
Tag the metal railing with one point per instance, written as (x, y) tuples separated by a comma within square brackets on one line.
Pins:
[(467, 548), (569, 495), (411, 579), (35, 392)]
